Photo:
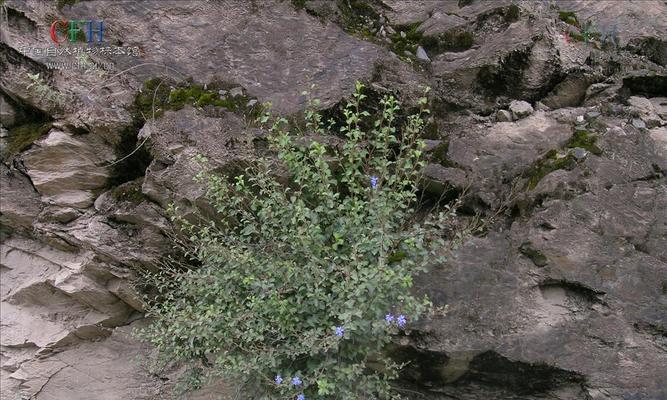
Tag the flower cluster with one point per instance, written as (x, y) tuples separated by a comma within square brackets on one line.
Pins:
[(340, 331), (295, 381), (400, 320)]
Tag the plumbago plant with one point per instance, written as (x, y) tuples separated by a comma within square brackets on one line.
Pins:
[(299, 288)]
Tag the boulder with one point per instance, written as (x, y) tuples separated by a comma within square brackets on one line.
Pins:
[(520, 109), (503, 116)]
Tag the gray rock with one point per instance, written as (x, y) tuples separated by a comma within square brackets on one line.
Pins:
[(567, 300), (579, 153), (235, 92), (660, 106), (539, 106), (421, 54), (19, 201), (592, 115), (3, 132), (520, 109), (403, 35), (571, 92), (638, 123), (251, 103), (503, 116), (408, 53), (644, 109), (67, 170)]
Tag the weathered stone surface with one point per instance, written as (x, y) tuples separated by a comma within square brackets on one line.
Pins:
[(520, 109), (508, 148), (14, 186), (562, 296), (503, 116), (66, 170)]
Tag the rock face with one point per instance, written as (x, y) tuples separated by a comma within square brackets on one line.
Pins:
[(561, 295)]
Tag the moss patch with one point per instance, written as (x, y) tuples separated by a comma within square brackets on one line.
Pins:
[(586, 140), (452, 40), (160, 95), (549, 163), (23, 136), (569, 17), (536, 256)]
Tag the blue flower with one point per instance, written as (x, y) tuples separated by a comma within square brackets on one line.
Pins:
[(389, 318), (278, 380), (296, 381), (374, 181), (340, 331), (401, 321), (301, 397)]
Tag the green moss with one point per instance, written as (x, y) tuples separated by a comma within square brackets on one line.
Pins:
[(129, 192), (569, 17), (455, 40), (411, 40), (577, 37), (21, 137), (585, 140), (536, 256), (549, 163), (166, 95), (512, 13)]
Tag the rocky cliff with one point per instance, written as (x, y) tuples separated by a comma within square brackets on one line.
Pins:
[(550, 115)]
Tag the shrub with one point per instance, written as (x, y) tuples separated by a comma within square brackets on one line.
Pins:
[(298, 288)]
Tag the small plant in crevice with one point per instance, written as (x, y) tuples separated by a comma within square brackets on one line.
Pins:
[(552, 161), (359, 17), (298, 288), (44, 91)]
